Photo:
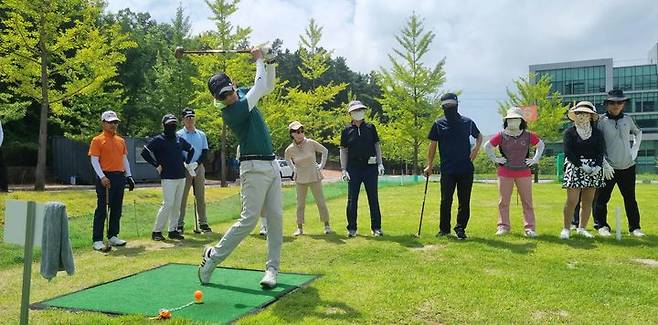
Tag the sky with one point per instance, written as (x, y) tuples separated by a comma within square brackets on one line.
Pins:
[(486, 44)]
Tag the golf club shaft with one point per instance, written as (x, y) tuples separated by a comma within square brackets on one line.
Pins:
[(422, 209), (107, 217), (196, 216)]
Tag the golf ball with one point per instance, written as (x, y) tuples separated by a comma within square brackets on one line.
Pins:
[(198, 296)]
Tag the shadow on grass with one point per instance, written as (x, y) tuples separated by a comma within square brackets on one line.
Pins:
[(409, 241), (332, 238), (306, 302), (517, 248), (574, 242)]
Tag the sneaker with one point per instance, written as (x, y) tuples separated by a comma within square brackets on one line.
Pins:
[(574, 227), (604, 232), (351, 233), (637, 233), (207, 266), (98, 246), (530, 233), (205, 228), (443, 234), (115, 241), (175, 235), (269, 279), (564, 234), (327, 230), (180, 230), (377, 233), (583, 232), (157, 236), (461, 234), (502, 231), (263, 230), (298, 232)]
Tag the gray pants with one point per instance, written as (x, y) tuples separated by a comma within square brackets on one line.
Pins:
[(199, 192), (172, 192), (260, 189)]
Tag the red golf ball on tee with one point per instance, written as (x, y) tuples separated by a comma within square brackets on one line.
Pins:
[(198, 296)]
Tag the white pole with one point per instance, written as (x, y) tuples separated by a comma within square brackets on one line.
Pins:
[(618, 223), (27, 260)]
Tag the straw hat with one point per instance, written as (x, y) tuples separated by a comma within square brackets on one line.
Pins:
[(583, 106)]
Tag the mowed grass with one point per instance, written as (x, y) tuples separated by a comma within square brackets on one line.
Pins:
[(401, 279)]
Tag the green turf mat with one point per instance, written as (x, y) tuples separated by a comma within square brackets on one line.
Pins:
[(231, 294)]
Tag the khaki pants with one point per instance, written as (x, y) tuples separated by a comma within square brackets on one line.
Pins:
[(199, 192), (316, 189), (260, 190), (172, 192), (524, 188)]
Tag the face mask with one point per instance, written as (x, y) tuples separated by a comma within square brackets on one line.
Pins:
[(170, 130), (450, 112), (582, 119), (514, 124), (358, 115), (218, 104)]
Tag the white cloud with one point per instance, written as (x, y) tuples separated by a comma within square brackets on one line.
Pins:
[(486, 44)]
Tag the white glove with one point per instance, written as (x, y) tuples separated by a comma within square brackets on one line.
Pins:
[(191, 168), (608, 171), (587, 169), (381, 170), (531, 162), (500, 160), (346, 176), (319, 166), (596, 169)]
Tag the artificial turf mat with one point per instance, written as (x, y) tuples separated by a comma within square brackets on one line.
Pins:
[(231, 293)]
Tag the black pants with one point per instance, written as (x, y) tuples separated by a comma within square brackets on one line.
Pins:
[(366, 174), (464, 184), (4, 180), (625, 179), (117, 185)]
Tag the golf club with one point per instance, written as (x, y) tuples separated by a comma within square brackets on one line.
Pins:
[(196, 216), (107, 247), (180, 51), (422, 209)]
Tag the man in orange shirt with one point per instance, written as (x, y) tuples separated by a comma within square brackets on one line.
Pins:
[(108, 157)]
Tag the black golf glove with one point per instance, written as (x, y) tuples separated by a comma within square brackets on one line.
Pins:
[(131, 183)]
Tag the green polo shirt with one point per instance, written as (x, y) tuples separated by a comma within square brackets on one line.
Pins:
[(248, 126)]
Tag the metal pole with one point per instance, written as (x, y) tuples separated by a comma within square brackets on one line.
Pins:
[(27, 260)]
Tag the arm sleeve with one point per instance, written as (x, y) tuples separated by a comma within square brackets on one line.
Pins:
[(260, 88), (190, 150), (96, 163), (202, 157), (488, 148), (567, 144), (2, 135), (343, 158), (126, 166), (149, 155), (539, 151), (324, 152), (378, 152)]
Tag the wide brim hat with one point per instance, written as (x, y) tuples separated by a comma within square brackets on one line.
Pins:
[(583, 106), (514, 112), (355, 105)]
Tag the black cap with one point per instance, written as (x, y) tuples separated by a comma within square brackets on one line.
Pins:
[(187, 112), (449, 98), (169, 118), (219, 83), (616, 95)]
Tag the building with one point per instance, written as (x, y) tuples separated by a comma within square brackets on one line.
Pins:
[(591, 80)]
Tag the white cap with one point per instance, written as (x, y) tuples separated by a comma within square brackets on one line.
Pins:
[(109, 116)]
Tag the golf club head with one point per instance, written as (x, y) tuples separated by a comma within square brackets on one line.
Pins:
[(197, 231), (106, 249), (416, 235)]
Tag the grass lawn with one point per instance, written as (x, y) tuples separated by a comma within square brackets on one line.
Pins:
[(396, 278)]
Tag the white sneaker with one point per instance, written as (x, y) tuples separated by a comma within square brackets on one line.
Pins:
[(263, 230), (298, 232), (604, 232), (115, 241), (502, 231), (98, 245), (207, 266), (530, 233), (564, 234), (637, 233), (327, 230), (269, 279), (583, 232)]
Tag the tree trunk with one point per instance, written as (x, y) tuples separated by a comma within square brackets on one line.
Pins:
[(40, 173), (222, 156)]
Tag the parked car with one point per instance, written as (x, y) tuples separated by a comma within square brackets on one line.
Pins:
[(285, 169)]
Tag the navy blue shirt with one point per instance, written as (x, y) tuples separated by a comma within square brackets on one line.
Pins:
[(360, 142), (166, 152), (454, 143)]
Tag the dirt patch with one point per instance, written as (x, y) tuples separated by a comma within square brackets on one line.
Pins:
[(427, 248), (646, 261)]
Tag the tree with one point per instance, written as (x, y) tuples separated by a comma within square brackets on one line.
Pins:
[(53, 51), (409, 93), (550, 110)]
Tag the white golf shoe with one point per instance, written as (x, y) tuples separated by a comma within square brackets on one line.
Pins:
[(207, 266), (115, 241), (604, 232), (269, 279), (637, 233), (98, 245), (564, 234), (583, 232), (502, 231)]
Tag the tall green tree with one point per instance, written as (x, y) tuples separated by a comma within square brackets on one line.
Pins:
[(409, 93), (53, 51), (550, 109)]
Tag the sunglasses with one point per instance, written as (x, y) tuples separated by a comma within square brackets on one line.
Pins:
[(299, 131), (223, 95)]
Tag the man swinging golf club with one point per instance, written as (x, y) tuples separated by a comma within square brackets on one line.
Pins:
[(108, 157), (259, 173)]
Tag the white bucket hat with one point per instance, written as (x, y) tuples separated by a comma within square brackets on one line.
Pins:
[(583, 106), (514, 112)]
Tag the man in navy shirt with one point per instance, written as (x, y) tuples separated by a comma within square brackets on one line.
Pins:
[(452, 133), (164, 153)]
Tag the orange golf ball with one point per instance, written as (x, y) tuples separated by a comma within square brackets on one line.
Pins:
[(198, 296)]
